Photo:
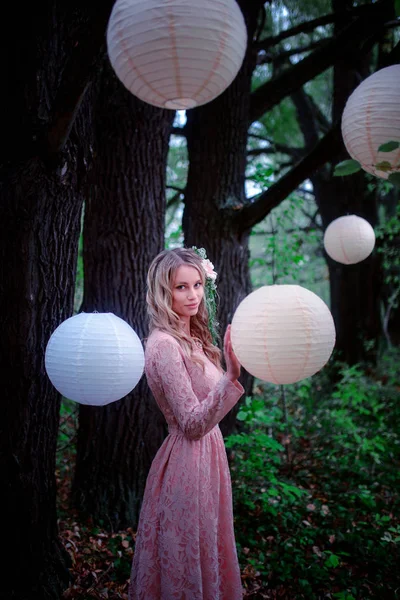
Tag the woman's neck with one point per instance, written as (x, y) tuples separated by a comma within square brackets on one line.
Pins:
[(185, 325)]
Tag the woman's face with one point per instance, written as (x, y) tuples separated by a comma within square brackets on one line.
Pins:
[(187, 291)]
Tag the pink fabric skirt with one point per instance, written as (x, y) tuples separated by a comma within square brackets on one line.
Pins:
[(185, 547)]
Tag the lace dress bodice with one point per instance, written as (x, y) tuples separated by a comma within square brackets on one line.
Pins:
[(193, 400)]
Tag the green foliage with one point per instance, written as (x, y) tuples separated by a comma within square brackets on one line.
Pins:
[(297, 10), (388, 236), (177, 171), (68, 423), (389, 147), (347, 167), (280, 124), (178, 162), (316, 499), (394, 178), (286, 246), (79, 280), (350, 166)]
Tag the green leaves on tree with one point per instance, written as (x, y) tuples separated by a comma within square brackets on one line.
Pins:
[(347, 167), (389, 146)]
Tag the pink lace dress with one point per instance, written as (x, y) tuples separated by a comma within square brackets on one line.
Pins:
[(185, 546)]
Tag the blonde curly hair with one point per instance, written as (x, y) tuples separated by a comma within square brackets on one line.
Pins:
[(160, 280)]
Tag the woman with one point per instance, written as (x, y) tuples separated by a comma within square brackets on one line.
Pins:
[(185, 546)]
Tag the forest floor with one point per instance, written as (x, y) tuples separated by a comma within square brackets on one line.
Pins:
[(100, 560)]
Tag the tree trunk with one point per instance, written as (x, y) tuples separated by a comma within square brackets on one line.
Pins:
[(391, 273), (391, 201), (216, 138), (123, 231), (39, 240), (354, 289), (40, 208)]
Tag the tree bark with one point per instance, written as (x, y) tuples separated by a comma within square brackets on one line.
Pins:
[(40, 222), (123, 231), (40, 214), (216, 138), (40, 208)]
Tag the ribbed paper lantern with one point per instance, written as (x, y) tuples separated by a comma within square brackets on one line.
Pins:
[(176, 54), (371, 118), (282, 333), (94, 358), (349, 239)]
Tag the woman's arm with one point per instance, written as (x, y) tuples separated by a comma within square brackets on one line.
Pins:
[(195, 418)]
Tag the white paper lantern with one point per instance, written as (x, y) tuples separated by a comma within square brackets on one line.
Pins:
[(94, 358), (176, 54), (349, 239), (282, 333), (371, 118)]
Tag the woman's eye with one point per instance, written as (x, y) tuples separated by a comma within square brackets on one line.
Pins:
[(198, 285)]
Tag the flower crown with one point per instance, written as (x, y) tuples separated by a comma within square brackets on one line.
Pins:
[(210, 295)]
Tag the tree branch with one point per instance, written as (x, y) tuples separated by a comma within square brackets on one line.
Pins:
[(260, 151), (282, 56), (304, 191), (393, 57), (178, 131), (306, 117), (305, 229), (349, 38), (176, 189), (313, 222), (175, 199), (274, 148), (392, 24), (325, 150), (305, 27), (320, 118)]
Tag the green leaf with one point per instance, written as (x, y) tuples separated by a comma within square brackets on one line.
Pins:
[(395, 179), (242, 415), (347, 167), (389, 146), (332, 561), (384, 166), (397, 7)]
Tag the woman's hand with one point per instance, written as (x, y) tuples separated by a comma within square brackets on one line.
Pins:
[(232, 363)]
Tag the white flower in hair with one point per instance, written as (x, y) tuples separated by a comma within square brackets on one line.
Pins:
[(209, 269)]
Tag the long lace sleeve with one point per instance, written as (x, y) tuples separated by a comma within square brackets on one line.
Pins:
[(195, 418)]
